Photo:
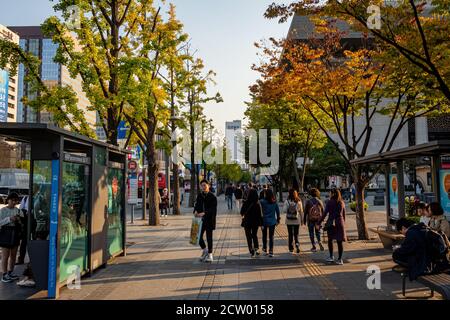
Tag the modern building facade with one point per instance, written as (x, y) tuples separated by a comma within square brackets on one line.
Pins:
[(8, 104), (34, 41), (234, 145)]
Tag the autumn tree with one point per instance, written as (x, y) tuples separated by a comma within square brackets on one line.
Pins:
[(337, 87)]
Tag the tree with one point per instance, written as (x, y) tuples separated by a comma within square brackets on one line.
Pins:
[(196, 96), (416, 31), (147, 109), (106, 37), (336, 86)]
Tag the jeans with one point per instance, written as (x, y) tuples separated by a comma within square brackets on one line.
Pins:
[(313, 230), (340, 248), (251, 234), (209, 239), (293, 236), (271, 230), (229, 202)]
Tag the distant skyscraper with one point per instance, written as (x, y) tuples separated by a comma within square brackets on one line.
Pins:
[(33, 40), (233, 134)]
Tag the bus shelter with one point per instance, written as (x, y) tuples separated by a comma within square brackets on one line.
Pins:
[(437, 153), (76, 220)]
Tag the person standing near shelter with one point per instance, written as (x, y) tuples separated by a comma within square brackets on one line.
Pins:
[(335, 225), (313, 213), (10, 217), (271, 218), (252, 219), (293, 208), (206, 208)]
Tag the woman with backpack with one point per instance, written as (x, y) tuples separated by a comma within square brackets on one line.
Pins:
[(271, 218), (252, 219), (313, 213), (335, 224), (293, 208)]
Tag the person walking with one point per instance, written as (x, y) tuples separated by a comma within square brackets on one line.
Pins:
[(252, 219), (271, 218), (335, 224), (229, 196), (206, 208), (293, 208), (238, 194), (438, 221), (164, 203), (10, 222), (313, 213)]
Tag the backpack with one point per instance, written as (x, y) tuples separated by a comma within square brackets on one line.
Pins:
[(292, 212), (437, 248), (315, 212)]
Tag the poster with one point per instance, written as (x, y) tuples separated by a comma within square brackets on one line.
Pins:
[(4, 82), (393, 195), (444, 185), (133, 189)]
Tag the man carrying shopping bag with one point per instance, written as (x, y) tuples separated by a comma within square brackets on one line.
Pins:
[(206, 208)]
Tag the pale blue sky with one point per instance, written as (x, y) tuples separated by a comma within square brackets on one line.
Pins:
[(223, 32)]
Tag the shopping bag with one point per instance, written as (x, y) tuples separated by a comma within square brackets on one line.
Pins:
[(195, 230)]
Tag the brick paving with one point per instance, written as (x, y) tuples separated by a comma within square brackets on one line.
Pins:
[(161, 264)]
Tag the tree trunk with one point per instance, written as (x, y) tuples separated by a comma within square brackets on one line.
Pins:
[(297, 177), (176, 190), (305, 158), (153, 212), (363, 233)]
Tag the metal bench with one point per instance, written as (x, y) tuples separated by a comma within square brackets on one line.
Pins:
[(435, 282)]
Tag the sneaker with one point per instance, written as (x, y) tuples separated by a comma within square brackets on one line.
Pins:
[(291, 250), (204, 255), (13, 276), (6, 278), (270, 255), (321, 247), (330, 259), (265, 252), (297, 249), (339, 262), (313, 249), (257, 252), (27, 283), (209, 258)]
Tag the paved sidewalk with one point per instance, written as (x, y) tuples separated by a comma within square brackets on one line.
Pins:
[(161, 264)]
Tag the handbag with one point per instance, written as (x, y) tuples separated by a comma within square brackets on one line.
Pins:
[(9, 236), (196, 228)]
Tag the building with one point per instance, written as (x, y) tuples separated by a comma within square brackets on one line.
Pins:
[(34, 41), (234, 145), (8, 104), (419, 131)]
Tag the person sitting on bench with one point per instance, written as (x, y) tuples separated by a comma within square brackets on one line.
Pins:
[(412, 253)]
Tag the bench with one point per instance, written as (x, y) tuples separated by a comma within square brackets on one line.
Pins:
[(388, 238), (435, 282)]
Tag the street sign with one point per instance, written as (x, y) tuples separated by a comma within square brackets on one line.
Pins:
[(133, 189), (132, 165)]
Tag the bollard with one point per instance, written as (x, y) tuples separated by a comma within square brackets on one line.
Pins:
[(132, 214)]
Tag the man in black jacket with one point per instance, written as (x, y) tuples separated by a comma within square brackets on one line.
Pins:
[(206, 208), (412, 253)]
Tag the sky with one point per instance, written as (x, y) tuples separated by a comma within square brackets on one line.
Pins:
[(222, 31)]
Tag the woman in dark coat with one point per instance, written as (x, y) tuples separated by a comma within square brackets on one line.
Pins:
[(252, 219), (335, 225)]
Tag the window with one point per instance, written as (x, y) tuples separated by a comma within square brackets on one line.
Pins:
[(11, 116), (10, 105), (11, 97), (12, 89), (12, 80)]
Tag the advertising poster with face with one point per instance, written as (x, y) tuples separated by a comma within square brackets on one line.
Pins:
[(444, 182), (393, 195)]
